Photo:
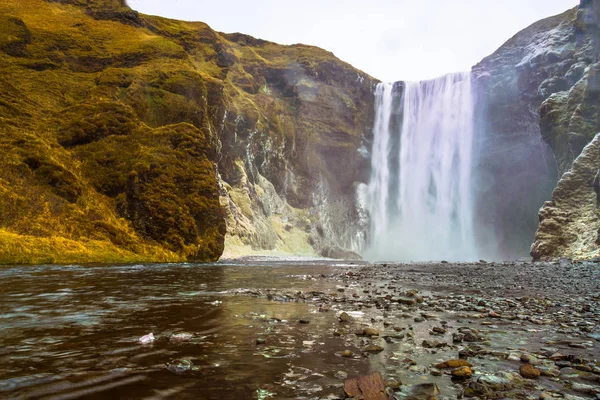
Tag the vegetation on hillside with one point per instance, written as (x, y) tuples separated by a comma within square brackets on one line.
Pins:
[(112, 124)]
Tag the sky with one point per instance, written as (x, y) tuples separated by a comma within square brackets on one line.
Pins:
[(390, 40)]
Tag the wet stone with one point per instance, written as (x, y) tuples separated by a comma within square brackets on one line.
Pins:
[(180, 366), (345, 317), (393, 384), (341, 375), (528, 371), (462, 372), (346, 354), (370, 332), (423, 391), (374, 349), (453, 364), (181, 337), (370, 387)]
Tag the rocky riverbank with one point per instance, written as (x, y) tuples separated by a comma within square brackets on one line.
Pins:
[(483, 330)]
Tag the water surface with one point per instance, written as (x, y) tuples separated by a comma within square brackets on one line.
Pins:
[(72, 332)]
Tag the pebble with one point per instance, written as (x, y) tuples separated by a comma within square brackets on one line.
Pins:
[(345, 317), (147, 339), (341, 375), (179, 366), (181, 337)]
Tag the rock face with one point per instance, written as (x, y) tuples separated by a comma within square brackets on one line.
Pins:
[(547, 65), (294, 149), (569, 224), (570, 119), (135, 138)]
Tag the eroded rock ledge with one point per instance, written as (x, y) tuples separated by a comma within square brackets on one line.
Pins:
[(569, 224)]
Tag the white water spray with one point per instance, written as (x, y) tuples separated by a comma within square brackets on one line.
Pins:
[(420, 196)]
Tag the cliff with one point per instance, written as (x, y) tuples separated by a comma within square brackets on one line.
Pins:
[(525, 142), (136, 138), (570, 120)]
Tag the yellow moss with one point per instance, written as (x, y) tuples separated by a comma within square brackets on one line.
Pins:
[(109, 120), (21, 249)]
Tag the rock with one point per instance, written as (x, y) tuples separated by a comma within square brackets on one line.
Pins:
[(374, 349), (345, 317), (407, 301), (528, 371), (453, 364), (303, 321), (572, 201), (516, 357), (179, 366), (339, 253), (471, 337), (423, 391), (370, 387), (370, 332), (496, 383), (582, 388), (147, 339), (346, 354), (458, 338), (181, 337), (260, 341), (433, 344), (462, 372), (393, 384), (341, 375)]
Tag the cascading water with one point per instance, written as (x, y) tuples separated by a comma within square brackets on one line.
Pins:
[(420, 196)]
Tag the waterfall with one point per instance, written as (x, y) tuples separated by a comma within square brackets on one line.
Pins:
[(420, 196)]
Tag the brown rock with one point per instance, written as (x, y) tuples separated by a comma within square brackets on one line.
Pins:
[(374, 349), (345, 317), (453, 364), (370, 387), (370, 332), (462, 372), (528, 371), (346, 354)]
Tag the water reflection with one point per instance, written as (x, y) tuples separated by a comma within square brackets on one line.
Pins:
[(72, 332)]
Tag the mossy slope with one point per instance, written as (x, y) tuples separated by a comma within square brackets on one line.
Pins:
[(107, 136), (126, 137)]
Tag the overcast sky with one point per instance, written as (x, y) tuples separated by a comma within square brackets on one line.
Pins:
[(389, 39)]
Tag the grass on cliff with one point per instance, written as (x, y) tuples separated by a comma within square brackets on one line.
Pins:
[(107, 134)]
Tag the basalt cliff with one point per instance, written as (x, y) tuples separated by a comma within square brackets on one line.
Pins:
[(128, 137)]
